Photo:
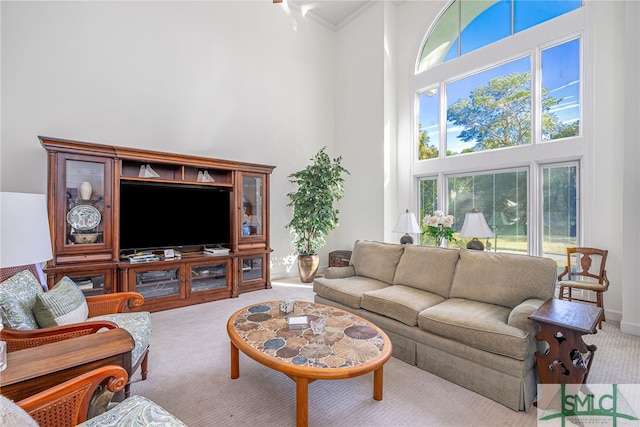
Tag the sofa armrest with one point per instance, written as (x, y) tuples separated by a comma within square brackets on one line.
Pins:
[(117, 302), (21, 339), (519, 318), (340, 272)]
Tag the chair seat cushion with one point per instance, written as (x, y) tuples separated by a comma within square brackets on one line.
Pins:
[(132, 412), (61, 305), (138, 324), (579, 284), (17, 297), (12, 415)]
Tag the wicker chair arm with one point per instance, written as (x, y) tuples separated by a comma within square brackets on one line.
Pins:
[(67, 404), (19, 340), (118, 302)]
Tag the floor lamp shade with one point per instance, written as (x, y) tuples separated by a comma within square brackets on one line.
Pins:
[(24, 229), (475, 226), (407, 223)]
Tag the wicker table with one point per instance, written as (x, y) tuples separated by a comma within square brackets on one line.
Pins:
[(348, 347)]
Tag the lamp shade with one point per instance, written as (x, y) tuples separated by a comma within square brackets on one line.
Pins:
[(407, 223), (475, 226), (24, 229)]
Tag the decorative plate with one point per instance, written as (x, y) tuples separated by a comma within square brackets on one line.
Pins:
[(84, 217)]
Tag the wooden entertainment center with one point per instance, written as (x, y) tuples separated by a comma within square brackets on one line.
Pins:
[(172, 197)]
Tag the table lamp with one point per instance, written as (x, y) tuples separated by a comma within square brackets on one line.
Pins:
[(24, 230), (475, 226), (407, 223)]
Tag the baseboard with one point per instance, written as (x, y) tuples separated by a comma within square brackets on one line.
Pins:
[(630, 328)]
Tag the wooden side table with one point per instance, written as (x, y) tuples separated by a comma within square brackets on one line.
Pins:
[(562, 324), (339, 258), (35, 369)]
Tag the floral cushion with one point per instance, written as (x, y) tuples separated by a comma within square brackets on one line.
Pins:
[(132, 412), (62, 305), (17, 297), (12, 415), (138, 324)]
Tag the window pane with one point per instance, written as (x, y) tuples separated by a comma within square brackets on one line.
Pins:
[(491, 109), (441, 40), (533, 12), (484, 22), (502, 198), (428, 127), (560, 211), (428, 199), (561, 91)]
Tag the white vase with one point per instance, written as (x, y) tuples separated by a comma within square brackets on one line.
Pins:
[(85, 190), (444, 243)]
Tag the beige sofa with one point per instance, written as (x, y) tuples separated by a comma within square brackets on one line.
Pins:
[(460, 314)]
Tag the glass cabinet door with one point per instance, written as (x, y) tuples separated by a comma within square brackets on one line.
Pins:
[(158, 283), (252, 218), (252, 269), (209, 276), (85, 192)]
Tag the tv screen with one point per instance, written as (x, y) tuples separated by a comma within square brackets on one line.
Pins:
[(159, 216)]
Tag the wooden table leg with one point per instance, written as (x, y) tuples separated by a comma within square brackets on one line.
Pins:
[(235, 362), (377, 383), (302, 402)]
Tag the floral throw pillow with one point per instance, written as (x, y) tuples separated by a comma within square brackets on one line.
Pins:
[(17, 297), (61, 305)]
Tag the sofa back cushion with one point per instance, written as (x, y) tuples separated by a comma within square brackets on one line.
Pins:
[(17, 297), (503, 279), (376, 260), (427, 268)]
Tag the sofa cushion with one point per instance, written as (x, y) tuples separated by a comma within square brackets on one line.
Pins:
[(503, 279), (138, 324), (346, 291), (61, 305), (428, 268), (376, 260), (399, 302), (17, 296), (476, 324)]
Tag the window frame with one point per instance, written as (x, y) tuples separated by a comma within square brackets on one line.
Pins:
[(535, 156)]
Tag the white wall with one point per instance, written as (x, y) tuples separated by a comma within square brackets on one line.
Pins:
[(631, 177), (232, 80), (359, 114)]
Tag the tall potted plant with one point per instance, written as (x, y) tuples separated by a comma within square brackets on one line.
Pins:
[(320, 185)]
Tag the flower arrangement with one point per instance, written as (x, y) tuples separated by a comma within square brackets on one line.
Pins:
[(439, 226)]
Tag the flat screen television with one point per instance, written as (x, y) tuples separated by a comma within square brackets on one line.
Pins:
[(156, 216)]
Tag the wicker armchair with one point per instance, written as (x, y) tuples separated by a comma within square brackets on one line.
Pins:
[(104, 311), (67, 405)]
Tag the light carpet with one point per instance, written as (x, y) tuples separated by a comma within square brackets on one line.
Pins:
[(189, 376)]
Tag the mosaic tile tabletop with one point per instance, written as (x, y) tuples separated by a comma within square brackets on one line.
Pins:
[(347, 340)]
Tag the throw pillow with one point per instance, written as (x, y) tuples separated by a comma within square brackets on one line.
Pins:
[(62, 305), (17, 297)]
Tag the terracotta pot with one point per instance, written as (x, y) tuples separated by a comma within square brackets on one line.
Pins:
[(308, 267)]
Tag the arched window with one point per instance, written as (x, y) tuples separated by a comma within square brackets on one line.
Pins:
[(497, 120)]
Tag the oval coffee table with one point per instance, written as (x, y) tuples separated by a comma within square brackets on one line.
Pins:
[(349, 346)]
